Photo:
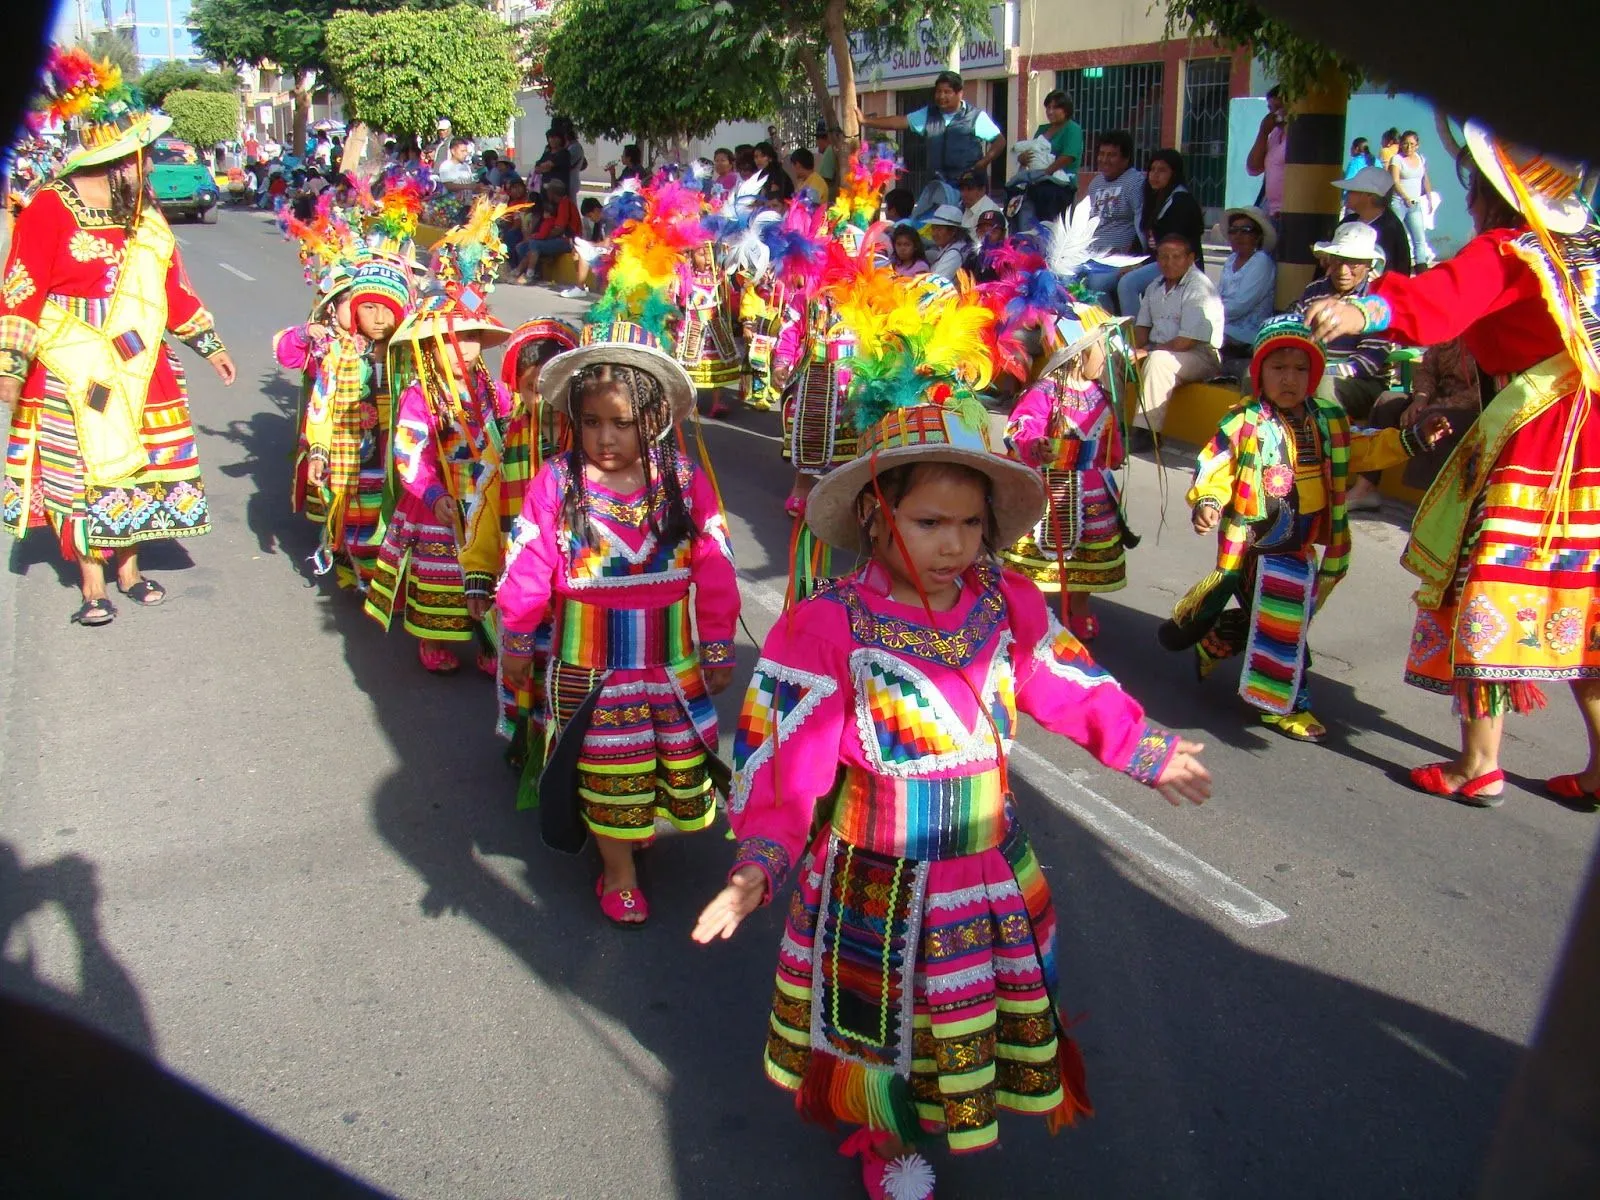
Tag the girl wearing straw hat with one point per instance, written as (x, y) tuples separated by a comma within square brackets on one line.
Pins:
[(100, 445), (1504, 541), (916, 987), (613, 537)]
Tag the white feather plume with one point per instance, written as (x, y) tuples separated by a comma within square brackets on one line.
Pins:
[(1067, 242)]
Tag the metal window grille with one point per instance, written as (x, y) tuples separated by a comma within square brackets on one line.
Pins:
[(914, 150), (1117, 97), (1205, 128)]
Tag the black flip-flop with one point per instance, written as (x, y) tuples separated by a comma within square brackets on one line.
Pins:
[(94, 613), (141, 593)]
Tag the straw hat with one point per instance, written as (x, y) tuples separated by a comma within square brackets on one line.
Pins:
[(945, 214), (1355, 241), (1269, 232), (1077, 331), (619, 344), (451, 313), (111, 118), (924, 433), (1552, 185), (1374, 180)]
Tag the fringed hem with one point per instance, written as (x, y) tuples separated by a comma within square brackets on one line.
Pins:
[(834, 1090), (1475, 700)]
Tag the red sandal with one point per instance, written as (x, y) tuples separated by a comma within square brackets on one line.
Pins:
[(1085, 627), (1567, 787), (436, 660), (1431, 779), (621, 904)]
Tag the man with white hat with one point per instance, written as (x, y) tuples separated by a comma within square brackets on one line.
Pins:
[(947, 233), (1366, 195), (1358, 364)]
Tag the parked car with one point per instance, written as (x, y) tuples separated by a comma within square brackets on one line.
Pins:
[(182, 181)]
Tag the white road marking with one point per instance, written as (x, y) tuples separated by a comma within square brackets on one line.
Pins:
[(233, 270), (718, 423), (1112, 824), (181, 240)]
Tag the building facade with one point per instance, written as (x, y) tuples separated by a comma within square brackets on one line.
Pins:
[(159, 30), (1111, 59)]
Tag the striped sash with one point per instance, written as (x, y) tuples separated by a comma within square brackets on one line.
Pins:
[(923, 819), (602, 638)]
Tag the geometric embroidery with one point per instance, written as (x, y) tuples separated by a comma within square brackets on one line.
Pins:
[(1481, 627), (778, 701), (909, 728), (1564, 630), (1428, 638), (1063, 656)]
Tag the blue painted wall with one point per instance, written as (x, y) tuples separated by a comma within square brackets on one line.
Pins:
[(1370, 114)]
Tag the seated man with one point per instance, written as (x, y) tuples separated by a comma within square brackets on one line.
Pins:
[(1366, 195), (1176, 335), (975, 200), (1116, 198), (1358, 365), (1445, 381)]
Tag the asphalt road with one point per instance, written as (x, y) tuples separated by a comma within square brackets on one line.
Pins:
[(244, 832)]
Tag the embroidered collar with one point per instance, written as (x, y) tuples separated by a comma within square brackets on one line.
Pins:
[(83, 214), (954, 648)]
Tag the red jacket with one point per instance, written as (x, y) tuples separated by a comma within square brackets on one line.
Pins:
[(563, 222)]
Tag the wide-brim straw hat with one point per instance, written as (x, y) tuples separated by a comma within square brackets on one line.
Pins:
[(1354, 241), (1553, 185), (1077, 331), (619, 344), (1269, 232), (450, 315), (102, 142), (927, 433)]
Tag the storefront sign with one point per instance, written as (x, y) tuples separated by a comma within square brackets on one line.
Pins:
[(927, 55)]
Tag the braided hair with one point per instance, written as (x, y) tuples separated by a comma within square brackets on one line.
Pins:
[(668, 521)]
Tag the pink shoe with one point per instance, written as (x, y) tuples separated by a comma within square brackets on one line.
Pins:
[(794, 505), (620, 905), (488, 663), (436, 660), (906, 1177), (1085, 628)]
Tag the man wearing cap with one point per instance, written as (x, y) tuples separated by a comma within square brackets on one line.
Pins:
[(948, 240), (1358, 364), (441, 148), (1366, 195), (960, 138), (975, 200)]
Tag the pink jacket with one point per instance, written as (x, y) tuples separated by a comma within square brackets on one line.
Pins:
[(628, 569)]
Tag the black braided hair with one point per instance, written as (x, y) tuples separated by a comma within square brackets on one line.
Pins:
[(670, 523)]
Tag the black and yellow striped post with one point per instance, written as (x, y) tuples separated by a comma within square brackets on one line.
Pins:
[(1313, 160)]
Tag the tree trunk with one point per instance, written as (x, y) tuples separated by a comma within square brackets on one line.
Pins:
[(304, 81), (817, 77), (839, 42), (1313, 158), (355, 147)]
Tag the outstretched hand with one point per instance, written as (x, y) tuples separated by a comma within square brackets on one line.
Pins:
[(222, 364), (1433, 429), (1185, 776), (731, 906)]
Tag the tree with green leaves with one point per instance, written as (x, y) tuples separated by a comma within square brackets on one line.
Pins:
[(401, 71), (107, 45), (799, 35), (203, 118), (159, 82), (1298, 63), (627, 69), (287, 35)]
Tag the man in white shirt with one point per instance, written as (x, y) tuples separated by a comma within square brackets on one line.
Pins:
[(1176, 335), (975, 200), (948, 244), (456, 172)]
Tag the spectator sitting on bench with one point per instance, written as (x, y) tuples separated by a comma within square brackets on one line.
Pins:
[(594, 237), (552, 236), (1446, 380), (1358, 364), (1176, 335), (1249, 278)]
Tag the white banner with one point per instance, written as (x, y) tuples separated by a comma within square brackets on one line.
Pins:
[(927, 55)]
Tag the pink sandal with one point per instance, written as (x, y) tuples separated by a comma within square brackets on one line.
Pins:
[(907, 1177), (621, 904), (488, 663), (436, 660), (794, 505), (1085, 628)]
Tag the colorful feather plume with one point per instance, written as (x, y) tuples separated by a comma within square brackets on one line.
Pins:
[(659, 225), (798, 247), (327, 241), (390, 220), (870, 172), (73, 86), (471, 254), (1026, 295), (944, 358)]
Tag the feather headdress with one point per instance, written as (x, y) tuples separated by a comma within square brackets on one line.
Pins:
[(861, 188), (1069, 239), (798, 247), (935, 348), (329, 246), (648, 251), (74, 85), (471, 254), (1027, 295)]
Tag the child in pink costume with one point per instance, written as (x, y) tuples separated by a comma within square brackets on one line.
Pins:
[(612, 536), (916, 983)]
